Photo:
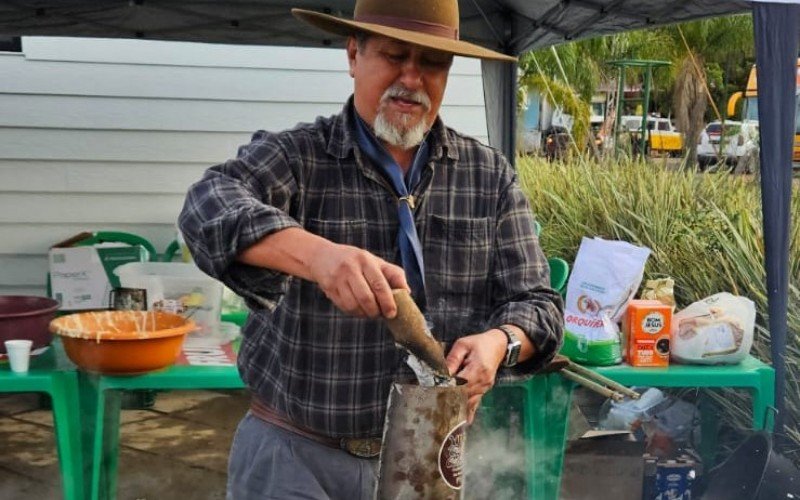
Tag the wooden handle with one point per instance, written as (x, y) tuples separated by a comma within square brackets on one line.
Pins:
[(411, 332)]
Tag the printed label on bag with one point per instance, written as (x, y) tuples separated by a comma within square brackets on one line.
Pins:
[(451, 456)]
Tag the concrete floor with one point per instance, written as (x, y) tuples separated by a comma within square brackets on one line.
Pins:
[(177, 449)]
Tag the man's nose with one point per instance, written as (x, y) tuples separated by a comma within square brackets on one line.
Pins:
[(410, 74)]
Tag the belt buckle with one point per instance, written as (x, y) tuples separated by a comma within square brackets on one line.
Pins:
[(361, 447)]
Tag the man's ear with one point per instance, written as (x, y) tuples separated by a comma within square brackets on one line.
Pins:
[(352, 48)]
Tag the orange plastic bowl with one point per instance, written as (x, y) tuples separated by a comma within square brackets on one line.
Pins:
[(122, 342)]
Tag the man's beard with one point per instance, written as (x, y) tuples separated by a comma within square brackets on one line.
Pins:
[(402, 135)]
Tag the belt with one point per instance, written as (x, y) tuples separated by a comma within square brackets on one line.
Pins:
[(358, 447)]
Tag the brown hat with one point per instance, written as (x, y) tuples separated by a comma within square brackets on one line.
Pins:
[(428, 23)]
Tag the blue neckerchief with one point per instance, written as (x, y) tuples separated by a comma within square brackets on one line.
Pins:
[(408, 240)]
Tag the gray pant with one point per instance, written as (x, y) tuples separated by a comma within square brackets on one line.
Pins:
[(268, 462)]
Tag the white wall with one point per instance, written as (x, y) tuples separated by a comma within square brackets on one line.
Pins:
[(108, 134)]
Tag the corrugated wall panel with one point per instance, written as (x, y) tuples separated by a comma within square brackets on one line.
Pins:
[(92, 208), (18, 269), (119, 51), (20, 176), (118, 145), (21, 76), (108, 134), (19, 238), (191, 115)]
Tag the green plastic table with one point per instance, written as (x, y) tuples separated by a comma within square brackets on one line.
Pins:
[(751, 374), (100, 401), (52, 373), (543, 404)]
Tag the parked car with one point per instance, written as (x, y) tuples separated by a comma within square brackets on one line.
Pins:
[(726, 142)]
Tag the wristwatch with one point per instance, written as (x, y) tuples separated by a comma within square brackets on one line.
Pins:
[(513, 347)]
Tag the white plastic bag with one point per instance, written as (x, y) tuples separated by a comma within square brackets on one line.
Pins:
[(628, 414), (604, 278), (715, 330), (664, 421)]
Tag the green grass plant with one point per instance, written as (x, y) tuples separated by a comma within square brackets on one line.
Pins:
[(704, 230)]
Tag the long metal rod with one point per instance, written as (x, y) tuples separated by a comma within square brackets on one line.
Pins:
[(594, 386), (618, 107), (604, 380), (645, 110)]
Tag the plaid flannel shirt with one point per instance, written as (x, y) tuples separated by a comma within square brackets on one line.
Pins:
[(324, 370)]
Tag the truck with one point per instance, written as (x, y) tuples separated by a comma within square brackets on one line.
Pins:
[(662, 137), (749, 109)]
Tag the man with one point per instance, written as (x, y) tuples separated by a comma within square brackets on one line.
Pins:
[(316, 225)]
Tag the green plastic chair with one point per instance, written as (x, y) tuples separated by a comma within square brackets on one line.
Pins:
[(171, 251), (559, 272), (120, 237), (537, 412), (111, 237), (559, 269), (541, 407)]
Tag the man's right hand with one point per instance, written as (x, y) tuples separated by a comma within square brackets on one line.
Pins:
[(356, 281)]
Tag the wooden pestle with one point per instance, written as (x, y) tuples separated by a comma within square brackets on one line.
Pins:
[(411, 332)]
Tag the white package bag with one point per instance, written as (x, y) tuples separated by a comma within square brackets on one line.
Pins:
[(606, 275), (715, 330)]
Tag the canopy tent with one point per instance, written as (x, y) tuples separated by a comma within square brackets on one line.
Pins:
[(509, 26)]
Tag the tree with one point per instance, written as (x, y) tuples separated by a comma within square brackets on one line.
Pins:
[(723, 46), (690, 104), (564, 96)]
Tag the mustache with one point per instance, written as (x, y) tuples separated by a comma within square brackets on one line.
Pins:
[(399, 91)]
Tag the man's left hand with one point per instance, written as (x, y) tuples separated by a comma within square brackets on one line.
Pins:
[(476, 359)]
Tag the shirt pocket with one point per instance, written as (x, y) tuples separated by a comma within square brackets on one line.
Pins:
[(457, 254), (346, 232)]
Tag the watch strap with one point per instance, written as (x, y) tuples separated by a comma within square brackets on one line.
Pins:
[(513, 347)]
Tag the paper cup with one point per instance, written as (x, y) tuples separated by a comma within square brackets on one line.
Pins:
[(19, 354)]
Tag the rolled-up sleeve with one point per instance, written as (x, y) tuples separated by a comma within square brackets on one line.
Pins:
[(521, 278), (235, 205)]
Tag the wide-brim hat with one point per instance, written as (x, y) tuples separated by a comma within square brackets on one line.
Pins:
[(428, 23)]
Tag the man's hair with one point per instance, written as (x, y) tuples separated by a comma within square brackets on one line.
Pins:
[(361, 39)]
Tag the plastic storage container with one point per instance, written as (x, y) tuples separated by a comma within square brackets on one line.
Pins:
[(179, 288)]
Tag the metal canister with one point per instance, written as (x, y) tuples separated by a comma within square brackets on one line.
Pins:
[(423, 443)]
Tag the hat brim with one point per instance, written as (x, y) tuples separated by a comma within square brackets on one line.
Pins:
[(346, 27)]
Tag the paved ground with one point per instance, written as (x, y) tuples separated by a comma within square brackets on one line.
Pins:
[(177, 449)]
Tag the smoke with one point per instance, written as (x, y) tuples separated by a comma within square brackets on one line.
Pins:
[(495, 466)]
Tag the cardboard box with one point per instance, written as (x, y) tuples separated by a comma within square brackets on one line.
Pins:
[(646, 333), (81, 278)]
